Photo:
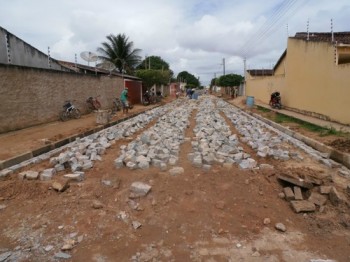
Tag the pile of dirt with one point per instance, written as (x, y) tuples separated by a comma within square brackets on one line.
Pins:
[(341, 145)]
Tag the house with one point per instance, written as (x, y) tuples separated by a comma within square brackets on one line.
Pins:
[(34, 86), (133, 83), (312, 75)]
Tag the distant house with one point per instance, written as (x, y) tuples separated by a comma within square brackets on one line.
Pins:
[(133, 83), (312, 75)]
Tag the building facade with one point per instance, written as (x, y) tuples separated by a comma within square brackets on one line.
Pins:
[(312, 75)]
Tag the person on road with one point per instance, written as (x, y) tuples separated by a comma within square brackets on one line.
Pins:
[(124, 100)]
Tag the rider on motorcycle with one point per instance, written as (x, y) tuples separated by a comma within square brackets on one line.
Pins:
[(147, 96)]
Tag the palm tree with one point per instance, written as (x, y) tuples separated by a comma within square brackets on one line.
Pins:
[(119, 51)]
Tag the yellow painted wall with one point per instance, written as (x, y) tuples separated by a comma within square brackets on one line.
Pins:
[(262, 87), (313, 81)]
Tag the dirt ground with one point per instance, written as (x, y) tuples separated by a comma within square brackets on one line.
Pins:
[(225, 214)]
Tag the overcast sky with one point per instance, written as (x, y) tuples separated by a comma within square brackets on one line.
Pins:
[(191, 35)]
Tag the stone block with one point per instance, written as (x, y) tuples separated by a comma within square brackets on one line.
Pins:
[(59, 167), (335, 197), (163, 166), (60, 187), (118, 163), (227, 165), (172, 161), (208, 160), (206, 167), (87, 165), (288, 192), (131, 165), (295, 181), (317, 199), (265, 166), (76, 167), (303, 206), (176, 171), (156, 162), (53, 161), (30, 175), (297, 193), (325, 190), (63, 158), (78, 177), (248, 163), (143, 165), (197, 161), (45, 176), (140, 189)]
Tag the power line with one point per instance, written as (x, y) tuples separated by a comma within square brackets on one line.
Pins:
[(261, 32), (283, 11), (266, 27)]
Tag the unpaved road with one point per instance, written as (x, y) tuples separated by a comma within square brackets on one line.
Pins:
[(200, 215)]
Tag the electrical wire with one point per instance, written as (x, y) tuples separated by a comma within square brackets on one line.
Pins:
[(261, 33), (281, 13)]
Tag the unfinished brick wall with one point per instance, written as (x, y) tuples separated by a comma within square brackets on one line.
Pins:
[(31, 96)]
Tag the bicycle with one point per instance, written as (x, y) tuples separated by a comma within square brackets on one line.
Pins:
[(117, 105), (69, 111), (93, 103)]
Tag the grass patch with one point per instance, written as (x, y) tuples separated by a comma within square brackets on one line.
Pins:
[(263, 109), (323, 131)]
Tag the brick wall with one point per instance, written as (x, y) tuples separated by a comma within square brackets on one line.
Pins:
[(31, 96)]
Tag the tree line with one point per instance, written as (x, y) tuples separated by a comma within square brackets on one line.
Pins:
[(119, 51)]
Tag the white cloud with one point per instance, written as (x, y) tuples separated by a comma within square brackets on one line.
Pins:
[(191, 35)]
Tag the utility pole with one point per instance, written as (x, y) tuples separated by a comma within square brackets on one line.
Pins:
[(149, 63), (244, 73), (223, 64)]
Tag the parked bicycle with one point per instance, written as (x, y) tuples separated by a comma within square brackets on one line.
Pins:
[(69, 111), (93, 103), (117, 105)]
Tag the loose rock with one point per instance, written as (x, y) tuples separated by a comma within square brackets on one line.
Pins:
[(280, 227)]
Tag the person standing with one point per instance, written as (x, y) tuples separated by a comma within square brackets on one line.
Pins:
[(124, 100)]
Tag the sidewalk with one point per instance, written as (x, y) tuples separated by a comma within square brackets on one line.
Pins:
[(309, 119), (240, 102), (334, 154)]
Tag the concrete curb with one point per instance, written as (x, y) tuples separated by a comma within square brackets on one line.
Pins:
[(333, 154), (47, 148)]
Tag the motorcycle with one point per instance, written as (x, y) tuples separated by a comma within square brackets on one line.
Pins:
[(275, 100), (148, 99), (93, 103), (69, 111)]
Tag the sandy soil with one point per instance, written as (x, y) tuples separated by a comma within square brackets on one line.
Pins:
[(215, 215)]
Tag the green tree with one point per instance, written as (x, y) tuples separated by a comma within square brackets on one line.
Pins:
[(153, 62), (191, 80), (230, 80), (154, 77), (119, 51)]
